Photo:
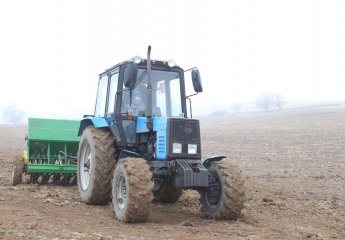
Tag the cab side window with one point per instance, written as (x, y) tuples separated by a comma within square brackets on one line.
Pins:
[(101, 96), (125, 100), (112, 93)]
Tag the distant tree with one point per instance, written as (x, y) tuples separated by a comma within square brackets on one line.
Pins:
[(11, 113), (278, 101), (236, 107), (264, 101)]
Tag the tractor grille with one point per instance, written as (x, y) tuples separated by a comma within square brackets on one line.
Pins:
[(184, 131)]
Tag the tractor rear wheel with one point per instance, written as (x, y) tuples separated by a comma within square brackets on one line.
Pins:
[(225, 196), (96, 160), (17, 170), (132, 190)]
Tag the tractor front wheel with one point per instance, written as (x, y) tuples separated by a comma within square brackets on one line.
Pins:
[(96, 160), (225, 196), (132, 190)]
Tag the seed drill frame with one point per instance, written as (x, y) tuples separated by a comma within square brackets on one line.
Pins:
[(52, 147)]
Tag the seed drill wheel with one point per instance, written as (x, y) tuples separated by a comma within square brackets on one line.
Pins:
[(132, 190), (96, 160), (167, 192), (45, 178), (56, 179), (225, 196), (34, 178), (17, 170)]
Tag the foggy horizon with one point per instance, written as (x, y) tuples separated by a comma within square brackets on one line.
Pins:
[(204, 111)]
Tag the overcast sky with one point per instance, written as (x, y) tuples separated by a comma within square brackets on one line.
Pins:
[(51, 52)]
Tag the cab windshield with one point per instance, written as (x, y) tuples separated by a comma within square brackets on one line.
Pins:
[(166, 94)]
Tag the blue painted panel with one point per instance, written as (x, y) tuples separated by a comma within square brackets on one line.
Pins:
[(159, 126), (158, 123), (141, 125), (99, 122)]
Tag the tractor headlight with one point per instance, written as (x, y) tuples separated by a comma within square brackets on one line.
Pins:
[(171, 63), (137, 59), (192, 149), (177, 148)]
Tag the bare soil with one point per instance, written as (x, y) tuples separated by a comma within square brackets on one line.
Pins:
[(293, 162)]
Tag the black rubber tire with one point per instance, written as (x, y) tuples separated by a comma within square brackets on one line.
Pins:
[(34, 178), (231, 195), (17, 170), (139, 185), (45, 178), (103, 160), (168, 193), (56, 179), (65, 179)]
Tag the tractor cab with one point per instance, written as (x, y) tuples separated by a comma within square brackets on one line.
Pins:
[(140, 96), (128, 97)]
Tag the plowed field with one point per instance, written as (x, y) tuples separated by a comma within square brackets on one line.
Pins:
[(293, 162)]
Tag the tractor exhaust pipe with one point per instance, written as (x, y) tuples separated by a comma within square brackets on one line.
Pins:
[(149, 92)]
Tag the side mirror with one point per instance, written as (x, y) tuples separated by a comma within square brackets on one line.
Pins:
[(130, 75), (196, 81)]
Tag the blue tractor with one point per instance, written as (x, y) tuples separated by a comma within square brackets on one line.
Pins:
[(140, 145)]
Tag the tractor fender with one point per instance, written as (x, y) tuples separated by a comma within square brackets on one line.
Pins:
[(97, 122), (209, 160)]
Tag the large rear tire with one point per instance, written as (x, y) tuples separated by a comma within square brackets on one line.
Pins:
[(96, 160), (225, 196), (17, 170), (132, 190)]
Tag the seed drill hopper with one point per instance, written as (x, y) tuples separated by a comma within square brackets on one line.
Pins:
[(51, 154)]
